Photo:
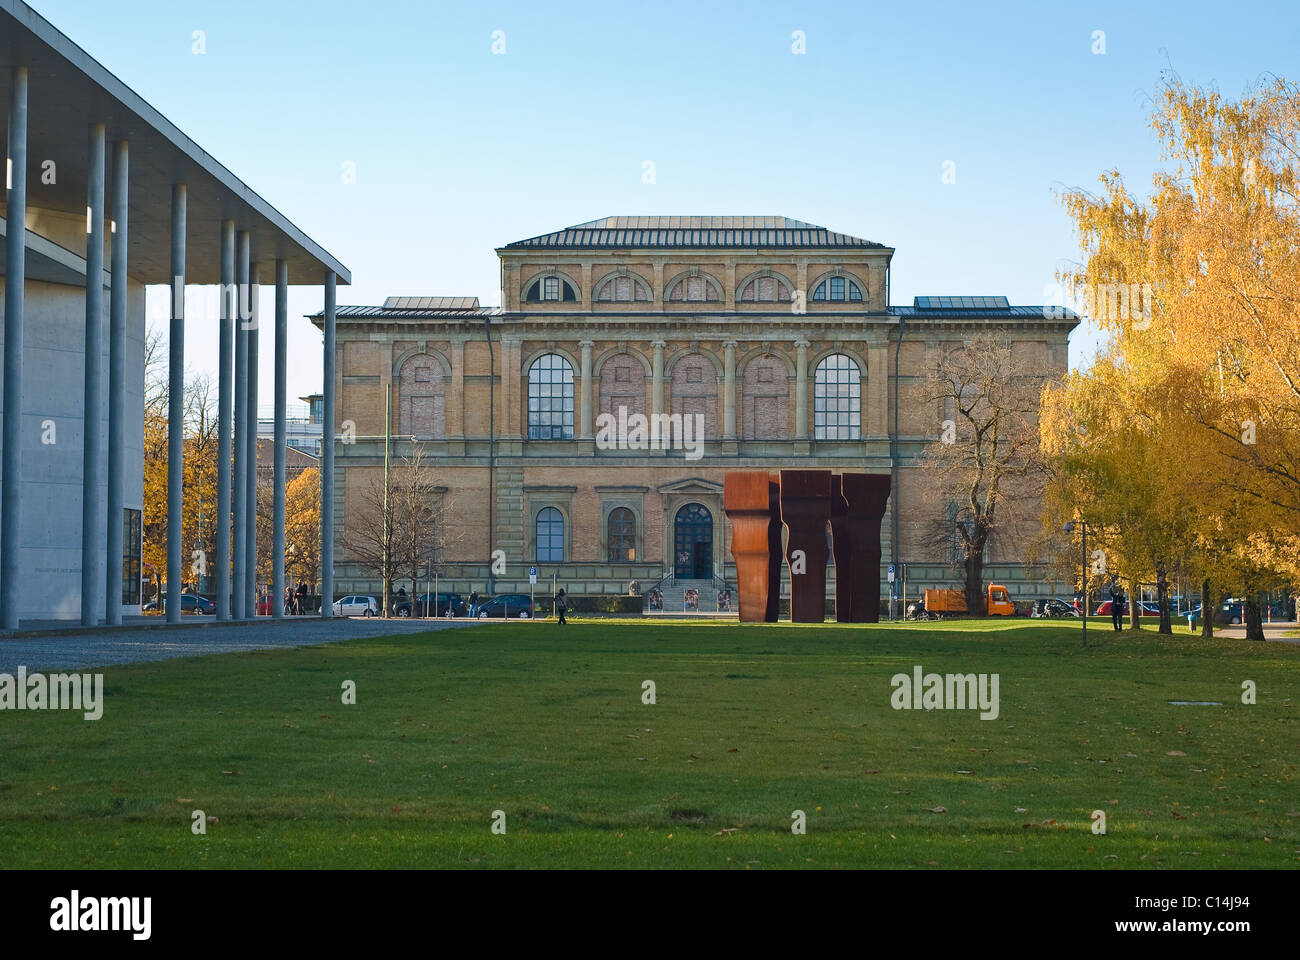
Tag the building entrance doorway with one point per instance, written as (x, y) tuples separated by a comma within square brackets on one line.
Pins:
[(693, 543)]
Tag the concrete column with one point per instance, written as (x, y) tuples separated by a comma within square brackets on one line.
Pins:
[(240, 475), (92, 463), (327, 455), (801, 390), (254, 336), (11, 571), (729, 390), (117, 384), (225, 374), (657, 380), (281, 412), (176, 406), (584, 420)]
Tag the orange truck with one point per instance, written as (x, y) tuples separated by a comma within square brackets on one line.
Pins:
[(940, 603)]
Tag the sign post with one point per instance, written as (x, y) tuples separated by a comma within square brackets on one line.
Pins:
[(532, 582)]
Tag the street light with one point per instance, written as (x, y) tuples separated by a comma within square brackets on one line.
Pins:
[(1069, 528)]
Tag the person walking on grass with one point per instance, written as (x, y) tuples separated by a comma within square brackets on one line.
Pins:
[(561, 605), (1116, 605)]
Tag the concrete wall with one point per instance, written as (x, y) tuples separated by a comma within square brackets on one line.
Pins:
[(54, 334)]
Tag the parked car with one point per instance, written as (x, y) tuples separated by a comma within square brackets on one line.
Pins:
[(518, 605), (189, 604), (425, 604), (1052, 607), (356, 607)]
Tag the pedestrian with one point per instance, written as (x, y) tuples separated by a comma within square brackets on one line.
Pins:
[(302, 598), (473, 604), (561, 605), (1116, 604), (288, 600)]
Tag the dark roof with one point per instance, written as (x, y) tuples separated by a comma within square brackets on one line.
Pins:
[(994, 307), (431, 303), (686, 232), (433, 312)]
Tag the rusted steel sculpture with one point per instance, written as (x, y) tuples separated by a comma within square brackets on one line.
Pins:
[(843, 548), (865, 496), (774, 557), (801, 502), (747, 500), (805, 511)]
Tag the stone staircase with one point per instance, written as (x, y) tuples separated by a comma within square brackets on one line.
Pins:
[(674, 592)]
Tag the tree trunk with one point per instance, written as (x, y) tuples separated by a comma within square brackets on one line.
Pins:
[(1162, 600), (1254, 622), (974, 565), (1134, 605), (1207, 610)]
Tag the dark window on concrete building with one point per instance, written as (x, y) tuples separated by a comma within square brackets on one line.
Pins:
[(550, 536), (621, 533), (837, 399), (132, 550), (550, 398)]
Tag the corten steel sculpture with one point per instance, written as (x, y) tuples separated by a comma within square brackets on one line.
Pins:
[(748, 498), (774, 557), (843, 548), (865, 496), (805, 511)]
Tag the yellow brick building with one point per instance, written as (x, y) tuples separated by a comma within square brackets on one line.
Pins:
[(776, 335)]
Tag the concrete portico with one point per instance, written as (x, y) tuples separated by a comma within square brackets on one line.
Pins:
[(106, 196)]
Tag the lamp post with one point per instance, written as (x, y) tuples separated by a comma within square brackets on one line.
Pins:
[(1083, 571)]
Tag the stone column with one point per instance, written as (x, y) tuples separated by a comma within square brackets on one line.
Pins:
[(11, 580), (117, 323), (92, 463), (279, 479), (729, 390), (584, 419), (327, 453), (175, 404), (801, 389), (225, 374)]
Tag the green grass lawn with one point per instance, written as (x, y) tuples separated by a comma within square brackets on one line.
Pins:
[(751, 723)]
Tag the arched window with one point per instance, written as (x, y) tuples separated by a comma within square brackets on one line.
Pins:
[(621, 288), (422, 389), (622, 385), (694, 289), (837, 288), (837, 399), (694, 392), (765, 289), (550, 398), (550, 536), (549, 288), (620, 531)]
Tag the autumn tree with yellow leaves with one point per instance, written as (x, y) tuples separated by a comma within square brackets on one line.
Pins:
[(1201, 378)]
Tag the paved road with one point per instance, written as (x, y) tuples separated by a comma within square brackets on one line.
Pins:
[(78, 650)]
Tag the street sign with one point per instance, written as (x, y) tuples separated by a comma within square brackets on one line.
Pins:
[(891, 573), (532, 575)]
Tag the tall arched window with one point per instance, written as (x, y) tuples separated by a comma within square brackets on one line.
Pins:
[(550, 398), (837, 399), (837, 288), (550, 536), (620, 531)]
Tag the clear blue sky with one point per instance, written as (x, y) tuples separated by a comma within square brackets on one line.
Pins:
[(458, 150)]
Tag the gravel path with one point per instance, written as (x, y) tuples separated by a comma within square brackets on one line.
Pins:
[(97, 648)]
